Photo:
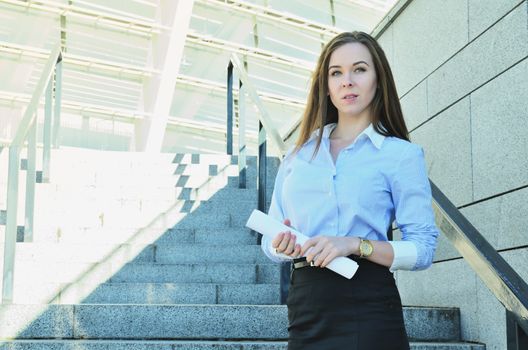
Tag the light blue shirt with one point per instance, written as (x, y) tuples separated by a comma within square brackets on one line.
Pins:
[(375, 180)]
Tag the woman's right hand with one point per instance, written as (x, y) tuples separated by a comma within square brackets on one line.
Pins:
[(284, 242)]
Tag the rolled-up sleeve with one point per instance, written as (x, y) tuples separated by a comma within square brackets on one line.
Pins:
[(276, 211), (414, 216)]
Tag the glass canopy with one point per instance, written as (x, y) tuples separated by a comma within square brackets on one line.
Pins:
[(112, 63)]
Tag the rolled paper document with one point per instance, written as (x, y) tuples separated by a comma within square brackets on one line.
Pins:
[(267, 225)]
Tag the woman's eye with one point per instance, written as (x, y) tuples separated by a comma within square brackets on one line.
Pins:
[(336, 72)]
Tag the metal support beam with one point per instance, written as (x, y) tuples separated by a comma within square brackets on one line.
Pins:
[(58, 104), (261, 171), (11, 225), (46, 137), (242, 149), (159, 89), (31, 178), (229, 124)]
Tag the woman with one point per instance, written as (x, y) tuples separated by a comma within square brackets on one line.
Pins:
[(351, 173)]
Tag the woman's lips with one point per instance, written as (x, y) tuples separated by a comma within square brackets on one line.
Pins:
[(350, 98)]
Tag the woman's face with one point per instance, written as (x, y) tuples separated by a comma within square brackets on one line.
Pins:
[(351, 79)]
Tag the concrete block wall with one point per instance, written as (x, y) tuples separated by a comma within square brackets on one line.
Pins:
[(461, 72)]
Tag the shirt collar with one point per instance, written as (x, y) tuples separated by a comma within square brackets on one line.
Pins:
[(375, 137)]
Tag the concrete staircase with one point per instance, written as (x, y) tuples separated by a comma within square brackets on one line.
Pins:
[(151, 252)]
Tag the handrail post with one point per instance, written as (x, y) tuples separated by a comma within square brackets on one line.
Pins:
[(265, 127), (230, 108), (261, 171), (11, 225), (516, 337), (264, 117), (46, 139), (30, 182), (58, 101), (241, 136)]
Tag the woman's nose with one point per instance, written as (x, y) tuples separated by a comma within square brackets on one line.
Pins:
[(347, 82)]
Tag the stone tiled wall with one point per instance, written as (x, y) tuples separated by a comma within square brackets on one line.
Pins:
[(461, 70)]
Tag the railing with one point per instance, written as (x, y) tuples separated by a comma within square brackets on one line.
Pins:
[(501, 279), (265, 126), (27, 130)]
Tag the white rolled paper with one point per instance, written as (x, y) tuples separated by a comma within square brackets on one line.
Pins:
[(267, 225)]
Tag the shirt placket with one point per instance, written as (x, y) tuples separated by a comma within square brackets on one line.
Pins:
[(335, 173), (331, 193)]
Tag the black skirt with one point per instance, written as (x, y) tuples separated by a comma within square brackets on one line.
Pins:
[(327, 311)]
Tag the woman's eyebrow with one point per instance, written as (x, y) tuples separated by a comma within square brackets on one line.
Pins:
[(358, 62)]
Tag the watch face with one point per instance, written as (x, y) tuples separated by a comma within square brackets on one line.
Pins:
[(366, 248)]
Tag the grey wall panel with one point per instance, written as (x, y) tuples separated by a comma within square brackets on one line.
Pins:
[(425, 35), (461, 69)]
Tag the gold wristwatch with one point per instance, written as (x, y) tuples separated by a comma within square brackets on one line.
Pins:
[(365, 248)]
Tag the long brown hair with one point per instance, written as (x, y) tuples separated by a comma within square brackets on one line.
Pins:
[(385, 105)]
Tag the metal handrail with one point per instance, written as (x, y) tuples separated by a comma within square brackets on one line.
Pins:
[(265, 126), (263, 115), (27, 130), (500, 278)]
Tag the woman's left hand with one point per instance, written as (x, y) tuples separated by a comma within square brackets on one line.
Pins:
[(326, 248)]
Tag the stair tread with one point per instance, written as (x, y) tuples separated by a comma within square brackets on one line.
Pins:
[(191, 321), (271, 344)]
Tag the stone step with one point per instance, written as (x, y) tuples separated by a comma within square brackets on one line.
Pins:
[(62, 192), (125, 187), (116, 235), (202, 158), (220, 195), (109, 222), (198, 273), (208, 235), (205, 322), (191, 345), (171, 219), (177, 293), (183, 175), (82, 253), (111, 235), (224, 206), (156, 252), (147, 272), (27, 292), (207, 253), (220, 159)]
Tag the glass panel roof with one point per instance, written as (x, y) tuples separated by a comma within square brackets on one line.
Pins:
[(109, 52)]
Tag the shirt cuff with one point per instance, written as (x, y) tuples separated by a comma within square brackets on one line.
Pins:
[(405, 255)]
